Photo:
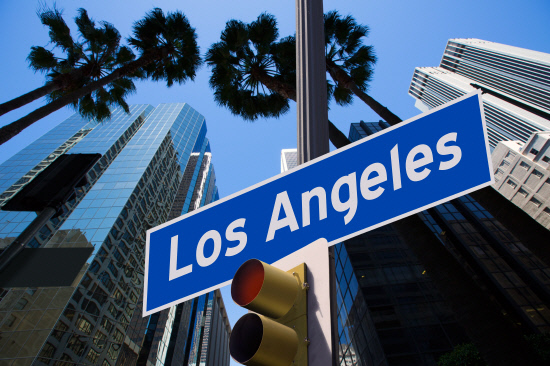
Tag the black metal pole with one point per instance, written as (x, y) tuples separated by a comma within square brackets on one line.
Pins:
[(312, 111), (311, 81)]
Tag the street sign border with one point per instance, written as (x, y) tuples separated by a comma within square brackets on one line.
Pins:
[(316, 160)]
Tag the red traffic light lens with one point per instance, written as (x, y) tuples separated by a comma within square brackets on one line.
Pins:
[(247, 282)]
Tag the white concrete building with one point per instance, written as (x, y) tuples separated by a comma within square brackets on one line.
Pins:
[(515, 84), (522, 174)]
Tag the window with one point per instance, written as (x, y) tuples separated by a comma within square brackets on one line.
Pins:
[(10, 321), (20, 305), (100, 340), (511, 183), (114, 312), (537, 173), (77, 296), (546, 159), (107, 325), (535, 201), (524, 165), (534, 152), (76, 345), (48, 350), (113, 351), (69, 313), (94, 267), (102, 254), (106, 280), (59, 330), (44, 233), (92, 356), (84, 325), (523, 192), (113, 269), (118, 336), (86, 281)]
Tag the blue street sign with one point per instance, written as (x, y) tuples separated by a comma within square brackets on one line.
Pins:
[(422, 162)]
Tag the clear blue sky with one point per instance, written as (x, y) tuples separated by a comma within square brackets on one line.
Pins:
[(404, 33)]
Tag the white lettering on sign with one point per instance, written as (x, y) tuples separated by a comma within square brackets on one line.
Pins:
[(371, 185), (368, 181), (351, 204), (231, 235), (443, 149), (215, 237), (174, 272), (374, 175), (289, 220), (321, 195)]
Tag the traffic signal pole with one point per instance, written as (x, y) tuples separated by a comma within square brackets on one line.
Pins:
[(311, 84), (312, 113)]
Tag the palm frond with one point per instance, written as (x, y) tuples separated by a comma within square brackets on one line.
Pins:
[(344, 47), (41, 59), (86, 26), (173, 37), (246, 56), (263, 32), (59, 32)]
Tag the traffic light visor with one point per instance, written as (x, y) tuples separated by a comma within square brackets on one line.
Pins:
[(264, 289)]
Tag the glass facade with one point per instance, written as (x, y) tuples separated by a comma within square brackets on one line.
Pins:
[(389, 312), (133, 187)]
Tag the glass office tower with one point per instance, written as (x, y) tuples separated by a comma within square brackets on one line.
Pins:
[(389, 311), (515, 83), (404, 320), (137, 184)]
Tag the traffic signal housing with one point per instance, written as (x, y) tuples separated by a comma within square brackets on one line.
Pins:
[(276, 333)]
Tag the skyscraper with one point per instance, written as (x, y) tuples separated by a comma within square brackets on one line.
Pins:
[(390, 312), (155, 165), (522, 174), (515, 86), (517, 280), (515, 83)]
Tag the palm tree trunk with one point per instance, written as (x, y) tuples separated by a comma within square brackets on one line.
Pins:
[(9, 131), (61, 82), (346, 81), (335, 136), (28, 97)]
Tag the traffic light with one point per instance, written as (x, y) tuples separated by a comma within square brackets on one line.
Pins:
[(276, 333)]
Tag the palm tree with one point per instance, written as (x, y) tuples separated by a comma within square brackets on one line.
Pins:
[(349, 63), (255, 76), (168, 50), (97, 51), (271, 69)]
